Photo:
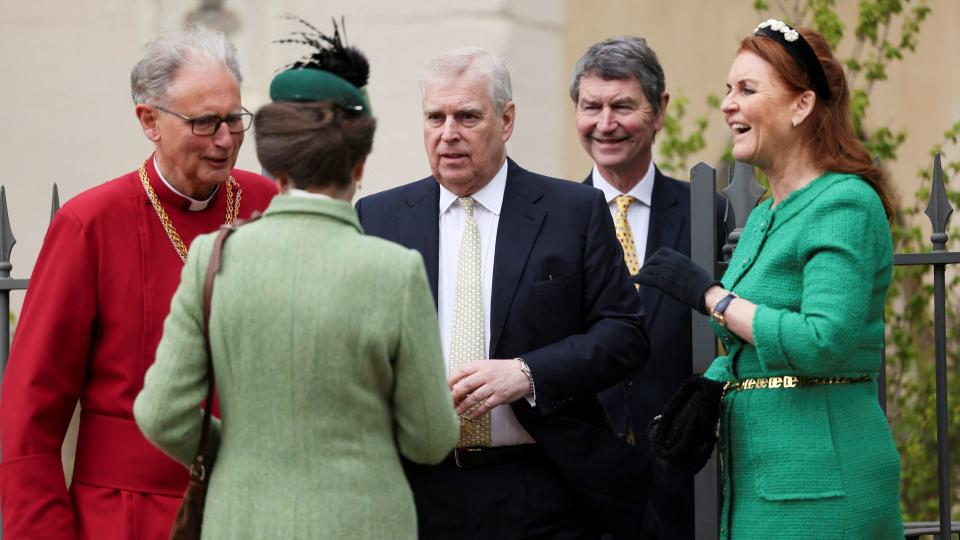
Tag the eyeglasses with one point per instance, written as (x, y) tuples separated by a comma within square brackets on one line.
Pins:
[(205, 126)]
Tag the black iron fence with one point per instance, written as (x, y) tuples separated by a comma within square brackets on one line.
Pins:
[(7, 283), (744, 193)]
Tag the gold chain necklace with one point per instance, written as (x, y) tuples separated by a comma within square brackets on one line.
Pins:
[(233, 209)]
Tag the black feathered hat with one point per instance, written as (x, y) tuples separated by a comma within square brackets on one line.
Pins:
[(333, 72)]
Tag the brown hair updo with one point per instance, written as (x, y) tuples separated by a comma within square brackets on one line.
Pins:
[(828, 131), (316, 144)]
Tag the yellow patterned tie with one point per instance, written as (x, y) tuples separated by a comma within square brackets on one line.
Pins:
[(633, 265), (467, 339), (625, 236)]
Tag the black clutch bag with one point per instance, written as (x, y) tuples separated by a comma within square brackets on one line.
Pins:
[(683, 436)]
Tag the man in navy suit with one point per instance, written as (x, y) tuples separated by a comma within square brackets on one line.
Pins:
[(618, 88), (560, 321)]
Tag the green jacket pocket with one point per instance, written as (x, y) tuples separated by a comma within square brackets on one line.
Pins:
[(790, 437)]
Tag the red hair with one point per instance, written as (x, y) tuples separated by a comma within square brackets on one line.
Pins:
[(828, 131)]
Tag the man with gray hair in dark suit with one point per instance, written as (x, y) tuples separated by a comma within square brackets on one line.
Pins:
[(619, 90), (536, 314)]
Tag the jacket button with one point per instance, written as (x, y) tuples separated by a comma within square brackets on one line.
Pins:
[(628, 382)]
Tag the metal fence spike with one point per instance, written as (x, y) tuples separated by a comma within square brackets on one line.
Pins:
[(939, 208), (743, 191), (7, 240), (55, 203)]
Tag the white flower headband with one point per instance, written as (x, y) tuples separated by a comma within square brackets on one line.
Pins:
[(776, 25), (799, 50)]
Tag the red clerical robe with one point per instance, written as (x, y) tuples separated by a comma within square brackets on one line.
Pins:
[(88, 331)]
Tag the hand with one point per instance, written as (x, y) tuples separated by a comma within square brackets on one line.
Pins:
[(487, 384), (675, 274)]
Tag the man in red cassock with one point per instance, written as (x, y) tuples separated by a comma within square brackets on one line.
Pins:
[(100, 291)]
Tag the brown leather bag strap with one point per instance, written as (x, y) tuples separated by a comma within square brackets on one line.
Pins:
[(198, 468)]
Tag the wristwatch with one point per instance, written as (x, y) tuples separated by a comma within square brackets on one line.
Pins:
[(525, 369), (720, 308)]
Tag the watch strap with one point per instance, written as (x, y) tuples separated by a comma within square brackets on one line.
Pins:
[(724, 302), (720, 308)]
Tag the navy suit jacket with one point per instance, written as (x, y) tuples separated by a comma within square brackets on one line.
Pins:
[(643, 394), (562, 300)]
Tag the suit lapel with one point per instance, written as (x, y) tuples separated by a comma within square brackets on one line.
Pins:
[(520, 221), (666, 222), (419, 226)]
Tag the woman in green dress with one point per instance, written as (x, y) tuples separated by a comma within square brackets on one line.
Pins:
[(806, 449)]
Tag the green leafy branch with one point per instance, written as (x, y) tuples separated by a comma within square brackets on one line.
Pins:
[(911, 385), (675, 148)]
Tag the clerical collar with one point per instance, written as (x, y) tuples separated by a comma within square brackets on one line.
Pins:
[(489, 196), (294, 192), (195, 204), (642, 192)]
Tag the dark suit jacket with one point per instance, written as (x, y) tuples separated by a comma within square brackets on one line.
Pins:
[(668, 322), (561, 300)]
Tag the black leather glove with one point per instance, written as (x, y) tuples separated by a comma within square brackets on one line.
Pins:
[(675, 274)]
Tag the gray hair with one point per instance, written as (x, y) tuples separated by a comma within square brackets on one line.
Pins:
[(165, 55), (462, 60), (624, 57)]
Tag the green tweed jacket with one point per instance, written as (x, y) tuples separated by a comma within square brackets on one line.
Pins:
[(814, 462), (328, 368)]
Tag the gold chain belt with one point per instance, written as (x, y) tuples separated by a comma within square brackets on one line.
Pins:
[(790, 381)]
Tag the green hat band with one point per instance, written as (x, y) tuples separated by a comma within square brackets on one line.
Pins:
[(317, 85)]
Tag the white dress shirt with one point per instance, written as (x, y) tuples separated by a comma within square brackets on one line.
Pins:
[(505, 429), (638, 213)]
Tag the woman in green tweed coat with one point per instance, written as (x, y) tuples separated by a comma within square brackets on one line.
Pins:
[(806, 449), (325, 347)]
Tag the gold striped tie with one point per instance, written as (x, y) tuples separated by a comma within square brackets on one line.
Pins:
[(467, 339)]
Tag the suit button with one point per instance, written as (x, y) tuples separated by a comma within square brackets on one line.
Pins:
[(628, 382)]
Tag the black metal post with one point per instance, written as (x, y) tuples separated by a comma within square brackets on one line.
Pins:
[(703, 249), (7, 241), (939, 210), (943, 447), (5, 268)]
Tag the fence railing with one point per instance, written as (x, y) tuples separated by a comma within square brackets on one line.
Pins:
[(744, 192), (7, 283)]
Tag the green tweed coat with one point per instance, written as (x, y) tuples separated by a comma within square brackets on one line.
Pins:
[(815, 462), (328, 368)]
